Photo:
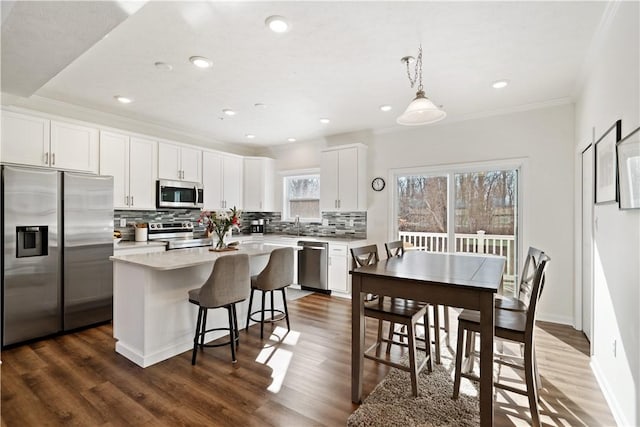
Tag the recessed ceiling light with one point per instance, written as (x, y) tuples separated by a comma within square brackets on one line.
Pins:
[(123, 99), (500, 84), (324, 120), (291, 139), (385, 108), (277, 24), (260, 105), (163, 66), (229, 112), (201, 61), (250, 136)]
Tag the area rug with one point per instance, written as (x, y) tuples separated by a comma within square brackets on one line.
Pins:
[(391, 402)]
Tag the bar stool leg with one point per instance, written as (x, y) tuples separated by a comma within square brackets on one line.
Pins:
[(273, 313), (235, 325), (246, 327), (286, 310), (204, 327), (232, 334), (195, 338), (262, 317)]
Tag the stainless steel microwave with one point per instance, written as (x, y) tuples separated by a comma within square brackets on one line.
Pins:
[(179, 194)]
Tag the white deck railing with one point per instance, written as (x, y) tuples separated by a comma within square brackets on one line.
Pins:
[(480, 243)]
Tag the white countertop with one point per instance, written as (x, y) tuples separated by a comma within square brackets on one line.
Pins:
[(183, 258)]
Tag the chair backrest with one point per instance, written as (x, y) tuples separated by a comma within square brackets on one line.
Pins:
[(279, 270), (229, 282), (395, 248), (528, 274), (537, 283), (364, 255)]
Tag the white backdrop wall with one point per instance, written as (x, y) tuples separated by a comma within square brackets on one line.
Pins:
[(612, 91), (544, 137)]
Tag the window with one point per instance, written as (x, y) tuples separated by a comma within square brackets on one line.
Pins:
[(302, 197), (465, 208)]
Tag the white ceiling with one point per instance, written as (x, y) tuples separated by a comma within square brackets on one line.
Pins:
[(340, 60)]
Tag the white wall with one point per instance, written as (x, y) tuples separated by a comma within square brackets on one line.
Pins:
[(612, 91), (544, 137)]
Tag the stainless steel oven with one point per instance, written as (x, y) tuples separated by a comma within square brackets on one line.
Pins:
[(179, 194)]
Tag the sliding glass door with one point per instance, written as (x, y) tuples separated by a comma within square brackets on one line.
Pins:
[(469, 209)]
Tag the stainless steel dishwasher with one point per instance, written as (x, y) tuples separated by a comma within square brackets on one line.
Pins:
[(313, 266)]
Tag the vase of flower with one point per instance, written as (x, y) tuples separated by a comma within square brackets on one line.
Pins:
[(219, 224)]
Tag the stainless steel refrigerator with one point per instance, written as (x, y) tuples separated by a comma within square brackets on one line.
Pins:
[(57, 236)]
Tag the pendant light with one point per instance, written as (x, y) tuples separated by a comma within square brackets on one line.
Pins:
[(421, 111)]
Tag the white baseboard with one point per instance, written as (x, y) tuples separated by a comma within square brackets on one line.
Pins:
[(554, 318), (618, 415)]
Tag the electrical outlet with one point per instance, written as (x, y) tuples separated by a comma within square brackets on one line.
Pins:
[(123, 222), (325, 222), (350, 222)]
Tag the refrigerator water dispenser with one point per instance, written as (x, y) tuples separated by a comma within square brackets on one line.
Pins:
[(32, 241)]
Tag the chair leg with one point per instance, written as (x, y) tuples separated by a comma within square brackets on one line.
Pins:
[(532, 389), (195, 338), (427, 342), (246, 327), (379, 338), (232, 334), (458, 372), (471, 349), (446, 324), (392, 330), (535, 366), (286, 310), (262, 317), (436, 330), (413, 363)]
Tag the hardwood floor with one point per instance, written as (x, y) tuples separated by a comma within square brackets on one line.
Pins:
[(303, 380)]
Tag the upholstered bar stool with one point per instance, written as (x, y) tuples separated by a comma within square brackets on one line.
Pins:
[(228, 284), (276, 276)]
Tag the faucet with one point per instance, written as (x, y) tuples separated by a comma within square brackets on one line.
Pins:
[(297, 223)]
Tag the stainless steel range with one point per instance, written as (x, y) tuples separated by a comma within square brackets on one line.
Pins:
[(177, 235)]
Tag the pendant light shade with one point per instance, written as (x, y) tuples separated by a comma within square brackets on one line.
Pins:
[(421, 111)]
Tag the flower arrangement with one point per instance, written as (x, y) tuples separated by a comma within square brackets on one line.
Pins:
[(220, 223)]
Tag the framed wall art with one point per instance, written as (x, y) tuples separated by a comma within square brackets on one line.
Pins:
[(605, 164), (628, 158)]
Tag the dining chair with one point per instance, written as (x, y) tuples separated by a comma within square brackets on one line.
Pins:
[(276, 276), (227, 285), (520, 301), (396, 248), (510, 325), (395, 311)]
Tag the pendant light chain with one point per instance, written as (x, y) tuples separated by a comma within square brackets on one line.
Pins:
[(417, 76)]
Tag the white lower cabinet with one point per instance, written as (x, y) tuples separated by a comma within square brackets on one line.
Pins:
[(338, 268)]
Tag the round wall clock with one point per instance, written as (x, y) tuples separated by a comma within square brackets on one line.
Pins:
[(377, 184)]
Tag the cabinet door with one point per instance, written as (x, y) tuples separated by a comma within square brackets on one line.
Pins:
[(348, 179), (143, 156), (253, 188), (338, 268), (212, 180), (169, 161), (232, 181), (329, 180), (74, 147), (25, 139), (114, 161), (191, 164)]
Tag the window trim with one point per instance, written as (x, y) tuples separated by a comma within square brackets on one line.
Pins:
[(295, 173)]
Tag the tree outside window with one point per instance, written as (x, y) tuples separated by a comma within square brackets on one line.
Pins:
[(302, 197)]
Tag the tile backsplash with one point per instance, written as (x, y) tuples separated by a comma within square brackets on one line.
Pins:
[(342, 224)]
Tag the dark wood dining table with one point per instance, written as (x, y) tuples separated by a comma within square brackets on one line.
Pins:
[(457, 280)]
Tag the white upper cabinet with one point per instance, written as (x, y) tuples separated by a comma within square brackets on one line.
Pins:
[(343, 177), (258, 184), (178, 162), (37, 141), (221, 180), (132, 163)]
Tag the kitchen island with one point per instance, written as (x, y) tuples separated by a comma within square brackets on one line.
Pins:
[(152, 317)]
